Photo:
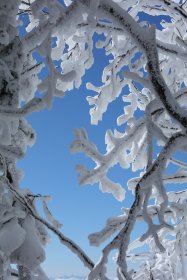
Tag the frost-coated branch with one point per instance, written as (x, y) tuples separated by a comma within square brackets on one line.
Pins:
[(63, 239), (175, 7), (151, 76), (146, 40), (121, 241), (172, 49), (115, 224), (34, 105), (106, 161)]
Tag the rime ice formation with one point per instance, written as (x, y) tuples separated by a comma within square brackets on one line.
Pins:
[(154, 72)]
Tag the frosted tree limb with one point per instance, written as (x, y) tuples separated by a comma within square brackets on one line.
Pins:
[(116, 223), (63, 239), (174, 6), (178, 162), (145, 38), (121, 241), (10, 151), (104, 162), (172, 49), (35, 104), (156, 86), (175, 178)]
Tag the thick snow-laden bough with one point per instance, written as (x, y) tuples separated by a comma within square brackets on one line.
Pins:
[(155, 72)]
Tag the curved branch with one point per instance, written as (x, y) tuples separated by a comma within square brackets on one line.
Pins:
[(121, 241), (145, 38), (165, 47), (63, 239)]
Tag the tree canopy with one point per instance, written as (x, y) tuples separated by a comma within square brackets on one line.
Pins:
[(147, 43)]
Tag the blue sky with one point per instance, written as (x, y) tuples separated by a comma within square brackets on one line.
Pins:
[(50, 170)]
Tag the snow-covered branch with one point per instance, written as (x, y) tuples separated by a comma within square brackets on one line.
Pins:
[(63, 239), (150, 73), (121, 241)]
